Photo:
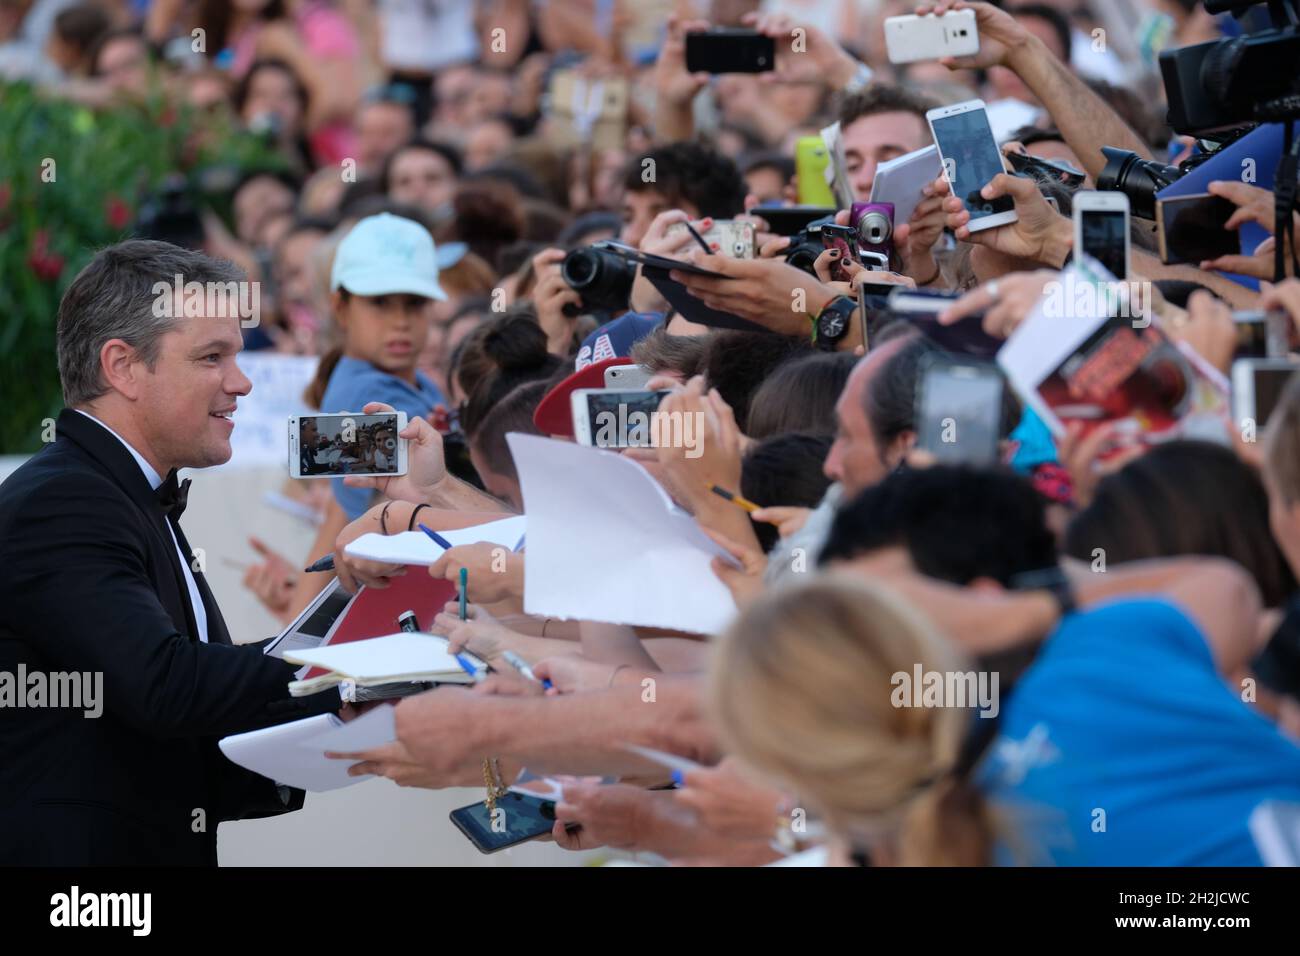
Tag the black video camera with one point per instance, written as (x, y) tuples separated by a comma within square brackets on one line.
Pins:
[(1224, 83)]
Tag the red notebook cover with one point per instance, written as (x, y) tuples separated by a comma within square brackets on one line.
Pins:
[(374, 611)]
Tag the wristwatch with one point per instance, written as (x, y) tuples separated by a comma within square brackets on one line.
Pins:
[(832, 323)]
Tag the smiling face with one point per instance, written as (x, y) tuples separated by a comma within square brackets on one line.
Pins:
[(183, 405)]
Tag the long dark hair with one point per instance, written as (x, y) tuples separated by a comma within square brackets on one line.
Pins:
[(1184, 498)]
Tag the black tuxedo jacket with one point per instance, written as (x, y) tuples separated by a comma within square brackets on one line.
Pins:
[(90, 581)]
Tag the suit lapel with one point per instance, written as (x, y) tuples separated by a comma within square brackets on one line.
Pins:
[(112, 455)]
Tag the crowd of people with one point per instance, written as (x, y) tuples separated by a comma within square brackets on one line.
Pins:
[(1130, 604)]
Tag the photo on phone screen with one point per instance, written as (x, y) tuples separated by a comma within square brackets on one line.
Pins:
[(960, 408), (971, 159), (1104, 235), (519, 818), (329, 446)]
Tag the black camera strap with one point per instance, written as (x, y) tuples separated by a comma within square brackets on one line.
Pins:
[(1285, 185)]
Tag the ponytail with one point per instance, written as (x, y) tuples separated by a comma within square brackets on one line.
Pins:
[(315, 392), (949, 824)]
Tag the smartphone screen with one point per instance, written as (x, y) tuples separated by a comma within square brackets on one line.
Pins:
[(331, 445), (1191, 229), (1269, 383), (622, 419), (845, 239), (1105, 238), (518, 818), (971, 159), (960, 409), (726, 50)]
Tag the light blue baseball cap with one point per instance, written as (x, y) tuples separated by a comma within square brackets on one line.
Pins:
[(385, 255)]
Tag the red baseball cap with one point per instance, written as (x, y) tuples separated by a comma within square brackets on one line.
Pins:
[(554, 413)]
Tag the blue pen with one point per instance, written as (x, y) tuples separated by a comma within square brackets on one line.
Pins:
[(324, 564), (467, 667), (438, 539)]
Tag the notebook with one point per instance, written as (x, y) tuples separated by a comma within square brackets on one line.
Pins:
[(400, 658)]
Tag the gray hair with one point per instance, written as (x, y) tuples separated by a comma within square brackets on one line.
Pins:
[(114, 297)]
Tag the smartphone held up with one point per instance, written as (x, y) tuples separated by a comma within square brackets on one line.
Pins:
[(347, 443), (970, 159), (910, 39)]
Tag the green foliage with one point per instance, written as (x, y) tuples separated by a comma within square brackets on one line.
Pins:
[(71, 182)]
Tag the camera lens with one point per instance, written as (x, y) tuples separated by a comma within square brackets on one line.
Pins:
[(603, 278), (1139, 179), (875, 228)]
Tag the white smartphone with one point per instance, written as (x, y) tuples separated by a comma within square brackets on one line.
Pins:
[(348, 443), (628, 378), (969, 157), (1257, 385), (911, 38), (735, 239), (1101, 228), (614, 418), (959, 410)]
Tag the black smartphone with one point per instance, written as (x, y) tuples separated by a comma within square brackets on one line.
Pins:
[(1190, 228), (729, 50), (1055, 170), (788, 220), (517, 819), (966, 336), (959, 409)]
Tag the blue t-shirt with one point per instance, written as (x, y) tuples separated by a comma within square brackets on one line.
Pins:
[(354, 383), (1123, 713)]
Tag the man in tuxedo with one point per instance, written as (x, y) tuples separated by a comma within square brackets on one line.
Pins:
[(96, 576)]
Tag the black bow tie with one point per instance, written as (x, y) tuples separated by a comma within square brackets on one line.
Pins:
[(173, 494)]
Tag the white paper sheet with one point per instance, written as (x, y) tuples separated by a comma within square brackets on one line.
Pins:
[(606, 543), (374, 728), (282, 753), (416, 547), (294, 753)]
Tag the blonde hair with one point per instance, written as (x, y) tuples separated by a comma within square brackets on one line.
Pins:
[(801, 688)]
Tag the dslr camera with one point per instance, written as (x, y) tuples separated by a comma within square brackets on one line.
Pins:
[(601, 276)]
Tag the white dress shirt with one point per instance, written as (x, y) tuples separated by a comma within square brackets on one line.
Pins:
[(155, 479)]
